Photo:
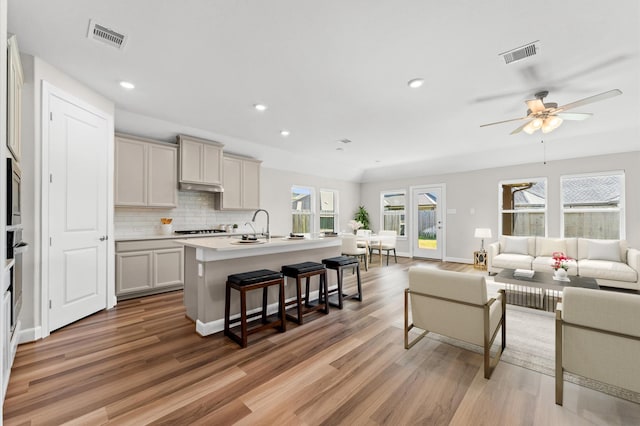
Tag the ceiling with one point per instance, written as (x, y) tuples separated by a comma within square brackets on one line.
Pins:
[(336, 69)]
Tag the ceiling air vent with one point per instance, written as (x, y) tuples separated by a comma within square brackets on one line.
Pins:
[(106, 35), (521, 52)]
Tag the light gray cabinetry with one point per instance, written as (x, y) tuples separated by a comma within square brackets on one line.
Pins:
[(200, 161), (241, 181), (147, 267), (145, 173)]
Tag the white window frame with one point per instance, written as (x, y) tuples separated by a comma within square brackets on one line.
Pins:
[(336, 207), (546, 202), (312, 203), (406, 217), (620, 209)]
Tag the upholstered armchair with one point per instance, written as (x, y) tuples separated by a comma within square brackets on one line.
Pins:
[(454, 304), (598, 336)]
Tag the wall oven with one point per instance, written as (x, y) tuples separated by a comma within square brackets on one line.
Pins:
[(15, 246), (13, 193)]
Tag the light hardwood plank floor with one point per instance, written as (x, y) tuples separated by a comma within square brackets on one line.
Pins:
[(143, 363)]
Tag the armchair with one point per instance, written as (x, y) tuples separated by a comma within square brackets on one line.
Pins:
[(598, 336), (456, 305)]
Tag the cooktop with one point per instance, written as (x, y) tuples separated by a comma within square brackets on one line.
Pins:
[(199, 231)]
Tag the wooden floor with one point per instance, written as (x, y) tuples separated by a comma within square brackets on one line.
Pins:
[(143, 363)]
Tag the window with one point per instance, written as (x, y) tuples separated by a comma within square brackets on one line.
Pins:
[(523, 207), (593, 205), (393, 210), (328, 210), (301, 209)]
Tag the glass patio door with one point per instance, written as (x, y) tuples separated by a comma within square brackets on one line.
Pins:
[(427, 225)]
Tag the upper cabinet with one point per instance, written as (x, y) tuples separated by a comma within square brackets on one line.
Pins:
[(145, 172), (15, 80), (241, 182), (200, 163)]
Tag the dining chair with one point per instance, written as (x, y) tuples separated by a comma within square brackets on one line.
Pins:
[(350, 248), (387, 243)]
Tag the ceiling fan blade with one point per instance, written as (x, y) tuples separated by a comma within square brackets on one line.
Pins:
[(519, 129), (590, 99), (505, 121), (575, 116), (535, 105)]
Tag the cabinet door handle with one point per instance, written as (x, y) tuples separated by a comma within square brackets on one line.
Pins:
[(104, 237)]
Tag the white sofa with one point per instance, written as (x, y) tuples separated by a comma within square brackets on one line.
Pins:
[(611, 262), (598, 336)]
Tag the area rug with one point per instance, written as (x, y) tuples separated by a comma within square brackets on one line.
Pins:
[(531, 345)]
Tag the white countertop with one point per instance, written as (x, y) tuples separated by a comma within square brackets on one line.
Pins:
[(212, 248)]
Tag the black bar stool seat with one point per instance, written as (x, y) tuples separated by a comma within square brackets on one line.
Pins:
[(339, 264), (307, 270), (245, 282)]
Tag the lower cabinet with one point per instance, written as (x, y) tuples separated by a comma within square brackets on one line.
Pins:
[(147, 267)]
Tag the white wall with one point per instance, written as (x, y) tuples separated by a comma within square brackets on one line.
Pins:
[(478, 190), (39, 71), (275, 196)]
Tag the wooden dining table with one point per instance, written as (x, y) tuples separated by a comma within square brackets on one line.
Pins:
[(371, 241)]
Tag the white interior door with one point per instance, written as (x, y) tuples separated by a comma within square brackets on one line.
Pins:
[(77, 216), (427, 204)]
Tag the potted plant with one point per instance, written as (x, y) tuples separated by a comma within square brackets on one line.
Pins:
[(362, 216)]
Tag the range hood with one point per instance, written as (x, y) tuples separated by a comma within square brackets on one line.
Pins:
[(202, 187)]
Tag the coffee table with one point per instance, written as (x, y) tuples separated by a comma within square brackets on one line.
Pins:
[(540, 291)]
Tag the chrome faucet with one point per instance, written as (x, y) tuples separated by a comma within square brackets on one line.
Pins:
[(255, 234), (267, 234)]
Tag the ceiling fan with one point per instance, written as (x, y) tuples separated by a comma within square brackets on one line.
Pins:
[(548, 116)]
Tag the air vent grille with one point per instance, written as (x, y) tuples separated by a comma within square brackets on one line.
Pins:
[(522, 52), (106, 35)]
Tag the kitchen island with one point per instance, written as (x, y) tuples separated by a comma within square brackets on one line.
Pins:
[(208, 262)]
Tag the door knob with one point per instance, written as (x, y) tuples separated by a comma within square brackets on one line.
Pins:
[(103, 238)]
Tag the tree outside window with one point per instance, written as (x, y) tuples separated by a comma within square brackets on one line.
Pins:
[(523, 207)]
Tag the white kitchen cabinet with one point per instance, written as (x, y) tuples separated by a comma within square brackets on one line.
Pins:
[(148, 266), (145, 173), (241, 182), (15, 81), (200, 161)]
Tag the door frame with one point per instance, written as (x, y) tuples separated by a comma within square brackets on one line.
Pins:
[(413, 215), (48, 91)]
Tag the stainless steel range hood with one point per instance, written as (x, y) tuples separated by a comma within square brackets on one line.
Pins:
[(202, 187)]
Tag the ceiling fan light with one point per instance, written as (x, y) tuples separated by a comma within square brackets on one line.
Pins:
[(529, 128), (551, 123), (536, 123)]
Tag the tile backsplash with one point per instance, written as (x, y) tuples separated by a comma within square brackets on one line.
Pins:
[(195, 210)]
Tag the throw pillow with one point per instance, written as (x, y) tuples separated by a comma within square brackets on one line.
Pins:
[(604, 250), (516, 245), (551, 245)]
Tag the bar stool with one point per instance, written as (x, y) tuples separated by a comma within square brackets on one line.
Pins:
[(245, 282), (339, 264), (307, 270)]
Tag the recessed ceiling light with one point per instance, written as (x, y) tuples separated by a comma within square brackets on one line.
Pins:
[(285, 133), (260, 107), (415, 83), (345, 141), (339, 149), (127, 85)]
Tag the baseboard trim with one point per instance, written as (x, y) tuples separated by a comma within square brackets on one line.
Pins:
[(458, 260), (212, 327), (30, 335)]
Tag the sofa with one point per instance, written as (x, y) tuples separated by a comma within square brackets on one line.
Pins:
[(610, 262), (598, 336)]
